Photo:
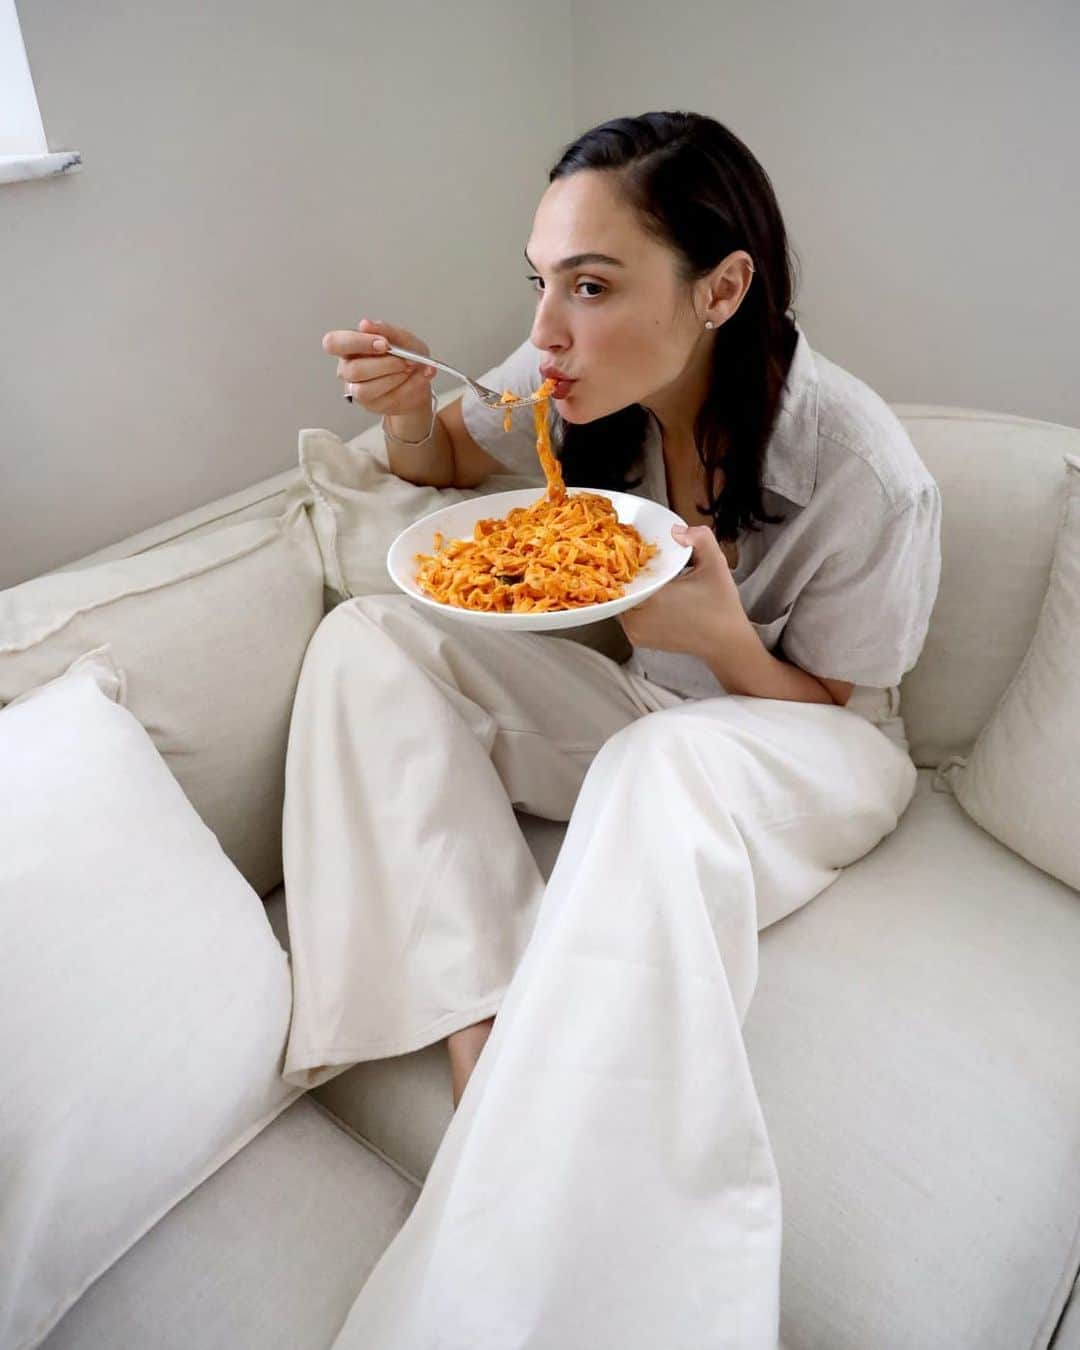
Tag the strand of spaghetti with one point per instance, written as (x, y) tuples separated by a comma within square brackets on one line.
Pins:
[(556, 488)]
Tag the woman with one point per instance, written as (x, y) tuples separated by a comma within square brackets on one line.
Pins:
[(606, 1179)]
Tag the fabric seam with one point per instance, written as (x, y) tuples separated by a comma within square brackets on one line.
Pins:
[(318, 492), (364, 1141)]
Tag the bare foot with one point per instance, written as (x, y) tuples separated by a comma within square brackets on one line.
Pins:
[(463, 1048)]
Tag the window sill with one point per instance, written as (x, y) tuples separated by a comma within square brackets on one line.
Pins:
[(17, 168)]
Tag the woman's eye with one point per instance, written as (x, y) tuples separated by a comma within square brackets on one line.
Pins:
[(598, 290)]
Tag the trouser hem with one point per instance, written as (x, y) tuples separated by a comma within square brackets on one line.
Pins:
[(344, 1056)]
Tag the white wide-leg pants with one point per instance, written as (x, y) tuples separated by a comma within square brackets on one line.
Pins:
[(607, 1179)]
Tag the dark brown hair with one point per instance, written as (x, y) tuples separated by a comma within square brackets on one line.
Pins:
[(698, 189)]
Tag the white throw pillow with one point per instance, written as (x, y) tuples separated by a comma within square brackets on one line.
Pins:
[(1021, 782), (144, 1000)]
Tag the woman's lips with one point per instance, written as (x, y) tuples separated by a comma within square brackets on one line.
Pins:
[(562, 388)]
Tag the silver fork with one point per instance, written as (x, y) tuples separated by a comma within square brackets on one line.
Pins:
[(487, 396)]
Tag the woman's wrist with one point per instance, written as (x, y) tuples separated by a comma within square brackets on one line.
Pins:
[(418, 447), (412, 428)]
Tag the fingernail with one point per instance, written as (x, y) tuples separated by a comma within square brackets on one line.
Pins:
[(380, 344)]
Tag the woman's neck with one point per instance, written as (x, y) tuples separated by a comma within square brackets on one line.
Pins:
[(677, 405)]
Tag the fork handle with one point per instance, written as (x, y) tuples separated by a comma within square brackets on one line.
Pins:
[(425, 361)]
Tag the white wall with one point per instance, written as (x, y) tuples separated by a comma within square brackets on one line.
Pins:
[(926, 157), (265, 171), (256, 173)]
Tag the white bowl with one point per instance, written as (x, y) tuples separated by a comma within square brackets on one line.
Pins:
[(456, 522)]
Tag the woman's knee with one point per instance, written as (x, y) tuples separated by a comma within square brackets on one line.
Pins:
[(355, 642), (395, 616), (653, 749), (377, 608), (345, 612)]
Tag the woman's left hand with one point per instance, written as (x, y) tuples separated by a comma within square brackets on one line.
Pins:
[(696, 612)]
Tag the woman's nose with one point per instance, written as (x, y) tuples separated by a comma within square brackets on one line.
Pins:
[(547, 332)]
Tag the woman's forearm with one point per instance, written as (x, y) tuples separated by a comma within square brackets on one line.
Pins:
[(431, 463), (744, 666)]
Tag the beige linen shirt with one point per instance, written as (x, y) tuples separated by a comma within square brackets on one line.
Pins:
[(844, 587)]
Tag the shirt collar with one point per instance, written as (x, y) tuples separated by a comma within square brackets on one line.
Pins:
[(791, 455)]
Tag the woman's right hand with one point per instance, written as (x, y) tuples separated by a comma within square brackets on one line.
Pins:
[(387, 385)]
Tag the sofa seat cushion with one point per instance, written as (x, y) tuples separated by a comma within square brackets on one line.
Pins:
[(912, 1039), (269, 1253)]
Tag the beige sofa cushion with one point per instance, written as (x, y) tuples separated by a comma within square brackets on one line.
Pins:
[(268, 1254), (211, 632), (1000, 480), (263, 500), (1022, 779), (913, 1043), (144, 1003)]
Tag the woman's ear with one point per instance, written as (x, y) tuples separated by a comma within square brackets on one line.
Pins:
[(728, 284)]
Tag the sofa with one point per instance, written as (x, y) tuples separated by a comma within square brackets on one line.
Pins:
[(913, 1036)]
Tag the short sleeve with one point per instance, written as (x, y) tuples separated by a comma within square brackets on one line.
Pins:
[(516, 448), (864, 614)]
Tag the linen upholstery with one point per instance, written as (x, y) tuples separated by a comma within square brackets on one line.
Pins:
[(210, 631), (1022, 779), (913, 1042), (258, 501), (267, 1254), (1000, 480)]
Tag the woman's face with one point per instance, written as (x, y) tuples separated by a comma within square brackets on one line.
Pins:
[(622, 326)]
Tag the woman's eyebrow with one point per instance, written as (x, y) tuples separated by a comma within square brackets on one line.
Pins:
[(577, 259)]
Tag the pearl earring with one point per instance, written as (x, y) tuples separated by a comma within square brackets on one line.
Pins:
[(709, 323)]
